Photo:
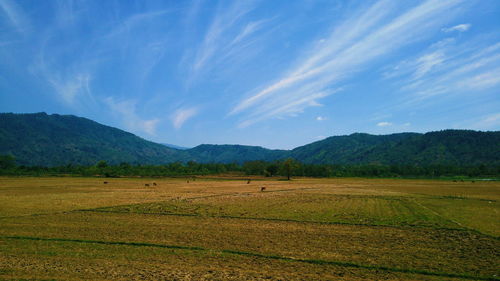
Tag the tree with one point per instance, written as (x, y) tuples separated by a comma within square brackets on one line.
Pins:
[(288, 167), (254, 167), (272, 169), (101, 164)]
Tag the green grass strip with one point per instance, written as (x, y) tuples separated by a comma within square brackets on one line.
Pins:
[(257, 255)]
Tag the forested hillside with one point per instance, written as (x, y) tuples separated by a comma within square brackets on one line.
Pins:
[(50, 140), (207, 153), (448, 147)]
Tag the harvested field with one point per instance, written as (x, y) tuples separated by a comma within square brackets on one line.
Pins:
[(304, 229)]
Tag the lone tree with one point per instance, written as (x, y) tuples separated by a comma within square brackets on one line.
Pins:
[(288, 167)]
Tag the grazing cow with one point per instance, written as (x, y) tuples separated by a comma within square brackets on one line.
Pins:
[(262, 188), (187, 181), (105, 182), (473, 181), (154, 183), (146, 184), (248, 181)]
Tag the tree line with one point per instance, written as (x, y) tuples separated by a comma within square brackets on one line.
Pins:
[(286, 168)]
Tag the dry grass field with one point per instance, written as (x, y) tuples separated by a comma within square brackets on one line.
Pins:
[(226, 229)]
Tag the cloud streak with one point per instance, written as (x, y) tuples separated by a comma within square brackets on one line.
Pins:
[(15, 15), (127, 112), (384, 124), (460, 28), (352, 45), (182, 115), (223, 21), (449, 69), (71, 89)]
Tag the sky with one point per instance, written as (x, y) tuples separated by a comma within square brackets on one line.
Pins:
[(277, 74)]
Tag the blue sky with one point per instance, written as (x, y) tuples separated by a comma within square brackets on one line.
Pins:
[(278, 74)]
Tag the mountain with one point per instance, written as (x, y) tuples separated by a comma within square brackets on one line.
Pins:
[(448, 147), (234, 153), (345, 149), (49, 140)]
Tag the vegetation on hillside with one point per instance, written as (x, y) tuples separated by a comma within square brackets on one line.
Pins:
[(448, 147), (60, 140), (52, 140)]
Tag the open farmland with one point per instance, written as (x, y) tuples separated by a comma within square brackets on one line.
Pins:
[(223, 228)]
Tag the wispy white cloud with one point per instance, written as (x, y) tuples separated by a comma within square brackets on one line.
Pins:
[(491, 121), (320, 118), (127, 112), (448, 69), (284, 109), (71, 88), (233, 37), (480, 81), (134, 21), (460, 27), (181, 115), (426, 62), (250, 28), (384, 124), (350, 47), (15, 15), (223, 20), (71, 83)]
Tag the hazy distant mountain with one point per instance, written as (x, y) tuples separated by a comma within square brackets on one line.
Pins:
[(48, 140)]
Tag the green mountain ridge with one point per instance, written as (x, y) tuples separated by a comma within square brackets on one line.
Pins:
[(51, 140), (229, 153)]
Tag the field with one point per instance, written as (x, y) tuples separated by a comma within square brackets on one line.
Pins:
[(223, 228)]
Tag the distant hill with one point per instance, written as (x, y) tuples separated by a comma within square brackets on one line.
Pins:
[(206, 153), (49, 140), (448, 147)]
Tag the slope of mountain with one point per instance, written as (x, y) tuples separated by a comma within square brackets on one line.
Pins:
[(48, 140), (345, 149), (448, 147), (234, 153)]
